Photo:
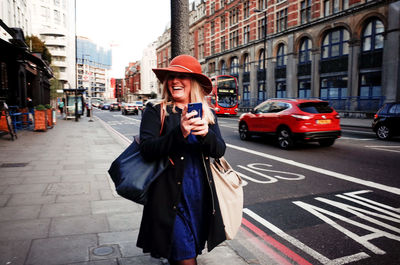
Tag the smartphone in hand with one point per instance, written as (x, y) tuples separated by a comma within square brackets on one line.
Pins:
[(197, 107)]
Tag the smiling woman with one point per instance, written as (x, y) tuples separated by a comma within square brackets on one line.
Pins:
[(182, 211)]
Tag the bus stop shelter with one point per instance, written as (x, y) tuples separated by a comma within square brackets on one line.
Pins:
[(71, 96)]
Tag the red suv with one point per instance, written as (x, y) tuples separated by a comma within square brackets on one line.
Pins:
[(292, 120)]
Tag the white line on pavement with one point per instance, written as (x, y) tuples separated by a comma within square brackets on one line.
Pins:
[(320, 170)]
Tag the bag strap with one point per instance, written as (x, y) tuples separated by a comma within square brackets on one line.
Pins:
[(162, 116)]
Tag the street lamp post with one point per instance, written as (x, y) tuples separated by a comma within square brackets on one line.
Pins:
[(265, 45), (76, 74)]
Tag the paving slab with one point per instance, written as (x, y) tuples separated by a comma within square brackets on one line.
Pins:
[(19, 212), (24, 229), (61, 250), (30, 199), (25, 188), (14, 252), (75, 225), (65, 209)]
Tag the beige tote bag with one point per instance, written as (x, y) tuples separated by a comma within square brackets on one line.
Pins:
[(228, 185)]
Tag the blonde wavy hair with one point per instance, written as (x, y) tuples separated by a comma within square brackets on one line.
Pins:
[(197, 94)]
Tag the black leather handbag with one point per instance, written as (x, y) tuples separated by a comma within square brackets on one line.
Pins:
[(132, 175)]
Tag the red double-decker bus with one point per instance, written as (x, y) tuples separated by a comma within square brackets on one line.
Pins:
[(224, 95)]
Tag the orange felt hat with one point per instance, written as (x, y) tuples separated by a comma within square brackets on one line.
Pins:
[(185, 64)]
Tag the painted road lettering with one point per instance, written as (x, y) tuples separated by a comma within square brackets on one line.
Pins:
[(267, 179), (375, 217)]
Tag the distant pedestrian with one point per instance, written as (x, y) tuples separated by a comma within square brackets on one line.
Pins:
[(29, 104), (61, 107), (182, 211)]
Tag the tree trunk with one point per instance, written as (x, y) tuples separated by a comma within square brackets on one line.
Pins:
[(179, 27)]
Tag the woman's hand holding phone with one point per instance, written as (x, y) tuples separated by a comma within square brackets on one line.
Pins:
[(192, 124)]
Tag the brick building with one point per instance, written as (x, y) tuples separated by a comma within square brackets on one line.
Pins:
[(328, 49), (132, 80)]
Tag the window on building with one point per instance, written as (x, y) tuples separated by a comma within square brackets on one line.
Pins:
[(246, 9), (261, 93), (234, 39), (304, 88), (212, 7), (371, 84), (305, 12), (222, 3), (335, 44), (246, 92), (261, 29), (246, 34), (223, 22), (327, 9), (212, 26), (246, 63), (212, 47), (223, 44), (281, 56), (334, 87), (234, 16), (281, 20), (345, 4), (262, 4), (57, 16), (223, 68), (335, 6), (261, 60), (234, 67), (372, 36), (305, 51), (281, 89)]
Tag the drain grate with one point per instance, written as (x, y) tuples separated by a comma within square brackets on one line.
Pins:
[(14, 164)]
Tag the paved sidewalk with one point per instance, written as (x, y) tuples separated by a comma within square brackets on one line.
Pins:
[(57, 204)]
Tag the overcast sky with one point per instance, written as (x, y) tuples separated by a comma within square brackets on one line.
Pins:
[(129, 25)]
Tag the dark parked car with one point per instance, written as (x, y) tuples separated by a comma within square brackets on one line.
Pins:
[(387, 121), (105, 106), (292, 120), (115, 106)]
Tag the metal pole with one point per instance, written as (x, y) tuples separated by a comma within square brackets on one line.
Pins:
[(179, 27), (76, 76), (265, 50)]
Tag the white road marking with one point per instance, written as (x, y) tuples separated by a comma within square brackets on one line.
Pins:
[(384, 148), (320, 170), (295, 242), (354, 138)]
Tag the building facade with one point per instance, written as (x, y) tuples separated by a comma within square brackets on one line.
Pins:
[(343, 51), (53, 22), (132, 81), (93, 67), (333, 50), (148, 79)]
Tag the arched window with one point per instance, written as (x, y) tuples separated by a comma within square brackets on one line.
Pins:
[(246, 63), (234, 65), (372, 37), (335, 44), (223, 68), (260, 60), (305, 51), (281, 56)]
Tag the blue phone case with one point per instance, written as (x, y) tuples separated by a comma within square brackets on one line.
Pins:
[(197, 107)]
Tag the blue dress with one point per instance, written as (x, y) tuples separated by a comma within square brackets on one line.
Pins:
[(190, 232)]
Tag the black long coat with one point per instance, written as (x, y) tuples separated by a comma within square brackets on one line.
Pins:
[(156, 229)]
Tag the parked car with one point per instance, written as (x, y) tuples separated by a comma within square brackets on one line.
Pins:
[(292, 120), (132, 108), (387, 121), (115, 106), (105, 106)]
